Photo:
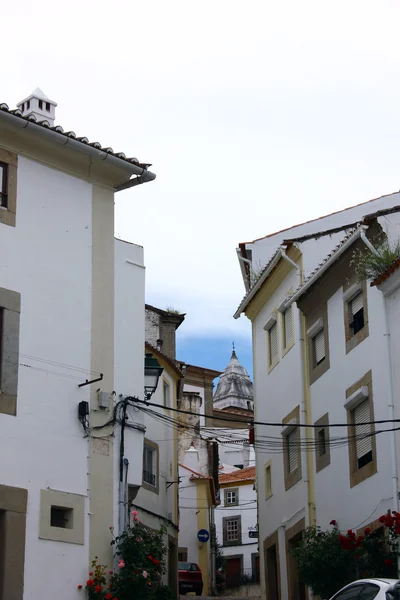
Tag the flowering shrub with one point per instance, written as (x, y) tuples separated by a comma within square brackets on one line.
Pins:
[(141, 563), (329, 560)]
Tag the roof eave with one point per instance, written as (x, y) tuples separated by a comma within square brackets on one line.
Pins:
[(258, 285)]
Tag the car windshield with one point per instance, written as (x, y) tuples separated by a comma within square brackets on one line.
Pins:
[(187, 566)]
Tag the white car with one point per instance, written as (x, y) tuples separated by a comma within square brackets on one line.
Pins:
[(370, 589)]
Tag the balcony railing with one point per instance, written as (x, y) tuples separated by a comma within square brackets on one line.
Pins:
[(149, 478)]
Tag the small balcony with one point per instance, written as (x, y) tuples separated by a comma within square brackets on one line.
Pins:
[(149, 478)]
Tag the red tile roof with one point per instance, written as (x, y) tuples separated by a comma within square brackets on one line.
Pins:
[(393, 267), (248, 474)]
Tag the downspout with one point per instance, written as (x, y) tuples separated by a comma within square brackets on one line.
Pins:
[(386, 335), (144, 177), (305, 405)]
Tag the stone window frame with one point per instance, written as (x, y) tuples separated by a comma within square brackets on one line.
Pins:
[(8, 214), (268, 489), (350, 291), (358, 475), (272, 321), (226, 491), (315, 323), (322, 461), (13, 508), (225, 520), (290, 533), (146, 486), (75, 502), (291, 420), (10, 311), (282, 311)]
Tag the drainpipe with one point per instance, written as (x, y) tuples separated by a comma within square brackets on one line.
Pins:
[(247, 261), (386, 335), (305, 406)]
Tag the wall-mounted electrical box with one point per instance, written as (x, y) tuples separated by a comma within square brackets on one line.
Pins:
[(83, 409), (104, 399)]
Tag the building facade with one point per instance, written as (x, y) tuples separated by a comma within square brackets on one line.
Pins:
[(57, 306), (320, 357)]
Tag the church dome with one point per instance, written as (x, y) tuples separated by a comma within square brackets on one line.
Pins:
[(235, 388)]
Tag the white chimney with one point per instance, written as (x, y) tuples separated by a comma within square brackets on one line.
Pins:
[(40, 106), (191, 459)]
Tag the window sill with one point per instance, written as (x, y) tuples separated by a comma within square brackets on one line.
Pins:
[(268, 496), (150, 488), (272, 367), (287, 349), (356, 339)]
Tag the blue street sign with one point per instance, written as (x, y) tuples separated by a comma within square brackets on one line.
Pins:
[(203, 535)]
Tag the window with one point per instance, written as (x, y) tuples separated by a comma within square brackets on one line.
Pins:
[(149, 475), (291, 448), (166, 394), (40, 104), (22, 107), (61, 517), (362, 443), (231, 497), (366, 591), (28, 105), (321, 443), (239, 466), (268, 481), (318, 344), (10, 307), (361, 414), (287, 318), (356, 314), (8, 187), (182, 554), (48, 106), (292, 451), (3, 185), (273, 345), (232, 530)]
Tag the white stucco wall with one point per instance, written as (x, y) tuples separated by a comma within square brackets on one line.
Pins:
[(47, 258), (187, 515), (247, 509)]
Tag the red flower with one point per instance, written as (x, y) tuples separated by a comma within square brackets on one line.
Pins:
[(156, 561), (79, 586), (382, 519), (388, 562), (367, 531), (148, 583), (110, 572), (150, 557), (333, 523), (91, 573), (90, 583), (98, 588), (108, 596)]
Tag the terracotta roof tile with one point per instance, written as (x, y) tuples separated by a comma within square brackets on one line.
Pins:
[(248, 474), (393, 267)]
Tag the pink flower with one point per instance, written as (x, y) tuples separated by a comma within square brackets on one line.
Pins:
[(144, 574), (121, 564), (134, 513), (139, 539)]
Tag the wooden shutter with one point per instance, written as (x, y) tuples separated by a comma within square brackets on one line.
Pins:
[(273, 343), (364, 442), (356, 304), (293, 451), (319, 347), (288, 326)]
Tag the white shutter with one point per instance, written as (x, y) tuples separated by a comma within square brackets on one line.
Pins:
[(356, 304), (293, 451), (288, 326), (364, 440), (273, 343), (319, 347)]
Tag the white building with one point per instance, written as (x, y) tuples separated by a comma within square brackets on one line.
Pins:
[(236, 524), (320, 357), (57, 307)]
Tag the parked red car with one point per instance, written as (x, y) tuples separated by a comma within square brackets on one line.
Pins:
[(190, 578)]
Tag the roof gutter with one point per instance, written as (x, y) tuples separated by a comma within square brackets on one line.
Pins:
[(99, 155), (258, 285)]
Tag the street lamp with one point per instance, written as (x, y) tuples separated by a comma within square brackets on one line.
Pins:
[(152, 373)]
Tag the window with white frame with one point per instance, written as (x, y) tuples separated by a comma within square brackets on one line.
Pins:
[(232, 530), (318, 346), (287, 318), (149, 465), (356, 313), (273, 344), (361, 416), (293, 450)]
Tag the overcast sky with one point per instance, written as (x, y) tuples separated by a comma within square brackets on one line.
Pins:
[(256, 115)]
